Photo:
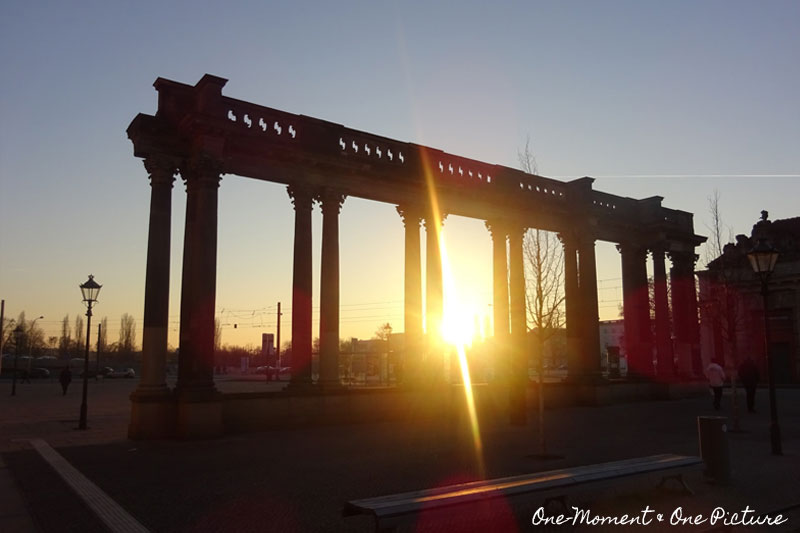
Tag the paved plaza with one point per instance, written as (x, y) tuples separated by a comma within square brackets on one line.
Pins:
[(298, 479)]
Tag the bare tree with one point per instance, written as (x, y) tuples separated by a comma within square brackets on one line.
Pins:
[(65, 340), (102, 338), (544, 273), (79, 340), (724, 304), (127, 336), (383, 332)]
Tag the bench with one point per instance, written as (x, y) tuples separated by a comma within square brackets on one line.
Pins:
[(397, 509)]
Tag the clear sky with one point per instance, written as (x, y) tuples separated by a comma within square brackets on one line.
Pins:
[(674, 99)]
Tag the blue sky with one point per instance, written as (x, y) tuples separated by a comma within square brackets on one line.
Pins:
[(675, 99)]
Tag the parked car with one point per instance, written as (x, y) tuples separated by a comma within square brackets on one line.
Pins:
[(122, 373), (105, 371), (39, 373)]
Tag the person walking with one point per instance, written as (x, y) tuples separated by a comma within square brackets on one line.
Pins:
[(748, 375), (716, 379), (65, 378)]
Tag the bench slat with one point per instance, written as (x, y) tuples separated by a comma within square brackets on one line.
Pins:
[(410, 502)]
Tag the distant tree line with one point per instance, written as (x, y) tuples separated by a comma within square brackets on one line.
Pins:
[(26, 337)]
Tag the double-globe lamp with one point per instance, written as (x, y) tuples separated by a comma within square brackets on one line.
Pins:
[(90, 289)]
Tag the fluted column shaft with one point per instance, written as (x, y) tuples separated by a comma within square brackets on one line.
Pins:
[(684, 312), (589, 316), (199, 282), (636, 311), (301, 285), (331, 203), (664, 359), (572, 305), (500, 307), (434, 298), (519, 337), (412, 307), (156, 292)]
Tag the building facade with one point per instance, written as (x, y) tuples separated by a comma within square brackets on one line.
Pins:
[(732, 307)]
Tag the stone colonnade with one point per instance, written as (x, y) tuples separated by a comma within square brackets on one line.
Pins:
[(675, 357), (195, 403)]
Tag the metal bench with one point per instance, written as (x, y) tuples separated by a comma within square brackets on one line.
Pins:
[(398, 509)]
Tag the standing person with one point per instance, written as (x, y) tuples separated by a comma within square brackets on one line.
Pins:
[(748, 374), (65, 378), (716, 379)]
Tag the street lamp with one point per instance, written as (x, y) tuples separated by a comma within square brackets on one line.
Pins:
[(30, 335), (763, 257), (18, 333), (90, 289)]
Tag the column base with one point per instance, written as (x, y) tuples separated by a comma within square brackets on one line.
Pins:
[(199, 418), (153, 414)]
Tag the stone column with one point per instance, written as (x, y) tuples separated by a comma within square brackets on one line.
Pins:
[(590, 316), (500, 279), (572, 305), (664, 361), (636, 302), (151, 413), (519, 329), (500, 309), (412, 309), (303, 199), (156, 293), (331, 203), (434, 303), (684, 311), (199, 281)]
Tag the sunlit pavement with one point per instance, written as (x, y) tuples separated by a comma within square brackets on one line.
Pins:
[(298, 479)]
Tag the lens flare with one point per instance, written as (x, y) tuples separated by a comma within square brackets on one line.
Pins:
[(457, 325)]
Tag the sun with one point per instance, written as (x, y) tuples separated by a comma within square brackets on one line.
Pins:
[(458, 326)]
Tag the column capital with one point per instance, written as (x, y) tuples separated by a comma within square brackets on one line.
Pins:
[(632, 249), (658, 251), (202, 171), (576, 238), (410, 213), (162, 169), (497, 227), (515, 229), (330, 200), (683, 258), (427, 223), (302, 197)]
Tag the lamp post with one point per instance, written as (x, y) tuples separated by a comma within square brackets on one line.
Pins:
[(18, 333), (90, 289), (762, 258), (30, 335)]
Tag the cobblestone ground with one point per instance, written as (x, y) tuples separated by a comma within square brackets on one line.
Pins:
[(298, 479)]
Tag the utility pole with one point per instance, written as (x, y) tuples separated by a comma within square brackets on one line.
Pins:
[(278, 346), (2, 331), (97, 363)]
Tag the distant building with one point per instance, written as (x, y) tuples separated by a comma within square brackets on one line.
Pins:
[(612, 345), (731, 308), (612, 333)]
